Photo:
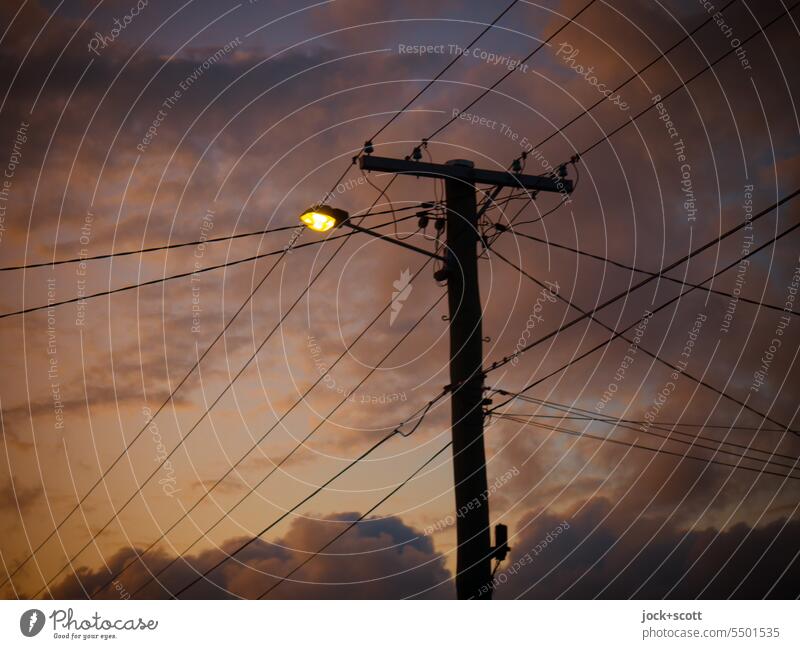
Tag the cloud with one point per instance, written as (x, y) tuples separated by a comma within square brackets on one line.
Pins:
[(16, 497), (381, 558), (596, 556)]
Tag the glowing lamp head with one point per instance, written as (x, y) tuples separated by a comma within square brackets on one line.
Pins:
[(323, 218)]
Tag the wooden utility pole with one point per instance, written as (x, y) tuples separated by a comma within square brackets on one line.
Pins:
[(474, 553), (466, 379)]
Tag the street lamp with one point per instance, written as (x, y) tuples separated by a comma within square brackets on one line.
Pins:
[(323, 218)]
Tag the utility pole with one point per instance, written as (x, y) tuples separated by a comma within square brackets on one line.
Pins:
[(466, 379), (474, 553)]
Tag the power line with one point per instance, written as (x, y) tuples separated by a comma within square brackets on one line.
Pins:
[(644, 272), (660, 273), (670, 436), (168, 400), (635, 75), (172, 394), (227, 325), (642, 112), (206, 412), (668, 427), (445, 69), (206, 269), (355, 522), (652, 449), (510, 72), (653, 312), (140, 251), (287, 512), (422, 412), (561, 407), (171, 246), (656, 357), (299, 445), (683, 84), (368, 144)]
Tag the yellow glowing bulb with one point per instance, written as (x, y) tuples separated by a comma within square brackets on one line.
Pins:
[(320, 220), (317, 221)]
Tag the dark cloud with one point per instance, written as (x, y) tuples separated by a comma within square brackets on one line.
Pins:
[(381, 558), (599, 553)]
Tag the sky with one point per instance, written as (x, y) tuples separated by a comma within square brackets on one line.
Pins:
[(128, 126)]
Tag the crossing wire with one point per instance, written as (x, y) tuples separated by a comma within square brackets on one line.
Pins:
[(509, 73), (652, 313), (682, 85), (208, 410), (289, 511), (355, 522), (206, 269), (172, 394), (692, 442), (634, 269), (671, 427), (682, 372), (660, 451), (172, 246), (299, 445), (661, 273)]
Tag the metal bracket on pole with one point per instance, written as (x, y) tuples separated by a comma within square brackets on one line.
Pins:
[(469, 174), (397, 242)]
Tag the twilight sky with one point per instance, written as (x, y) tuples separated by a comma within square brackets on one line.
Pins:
[(130, 126)]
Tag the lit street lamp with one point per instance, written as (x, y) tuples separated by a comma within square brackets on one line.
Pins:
[(322, 218)]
